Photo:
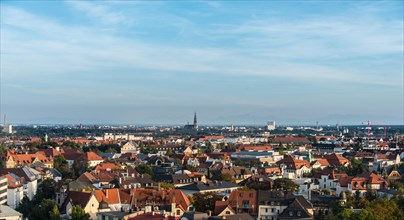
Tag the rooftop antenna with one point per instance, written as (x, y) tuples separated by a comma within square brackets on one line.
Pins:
[(4, 119), (317, 125)]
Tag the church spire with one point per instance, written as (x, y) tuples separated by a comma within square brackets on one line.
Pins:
[(195, 122)]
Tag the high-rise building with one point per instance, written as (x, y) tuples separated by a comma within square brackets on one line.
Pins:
[(7, 128), (271, 125)]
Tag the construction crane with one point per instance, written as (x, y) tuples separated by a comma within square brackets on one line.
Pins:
[(369, 124)]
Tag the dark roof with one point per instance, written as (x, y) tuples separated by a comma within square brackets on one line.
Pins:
[(77, 198), (268, 196), (296, 210), (243, 216), (173, 178), (23, 172), (198, 186), (195, 216)]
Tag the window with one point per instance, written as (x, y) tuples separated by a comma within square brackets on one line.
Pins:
[(178, 212), (272, 210), (299, 213), (290, 213), (246, 203), (251, 195), (227, 212), (266, 210)]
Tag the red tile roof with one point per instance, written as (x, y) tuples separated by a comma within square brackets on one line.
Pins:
[(91, 156), (111, 196), (293, 163)]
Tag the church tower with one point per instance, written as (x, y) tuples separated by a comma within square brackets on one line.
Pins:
[(195, 122)]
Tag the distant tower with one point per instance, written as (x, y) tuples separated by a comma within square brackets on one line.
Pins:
[(271, 125), (7, 128), (195, 122)]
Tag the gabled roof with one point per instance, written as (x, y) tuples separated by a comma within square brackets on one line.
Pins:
[(77, 198), (23, 172), (323, 162), (49, 152), (90, 156), (111, 196), (161, 197), (222, 205), (386, 156), (293, 163), (236, 170), (296, 210), (108, 166), (336, 160), (267, 196), (72, 155), (13, 181), (28, 158)]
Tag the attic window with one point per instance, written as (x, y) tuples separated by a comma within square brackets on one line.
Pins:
[(299, 213), (290, 213)]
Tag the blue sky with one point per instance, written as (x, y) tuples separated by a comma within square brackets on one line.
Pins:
[(240, 62)]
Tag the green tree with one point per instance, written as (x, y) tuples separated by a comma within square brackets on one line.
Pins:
[(79, 167), (144, 169), (356, 167), (25, 207), (285, 184), (169, 152), (42, 210), (190, 168), (165, 185), (49, 189), (70, 145), (209, 148), (204, 202), (78, 213), (227, 177), (54, 214), (3, 149), (281, 149)]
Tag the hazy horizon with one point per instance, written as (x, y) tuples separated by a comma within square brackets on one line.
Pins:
[(232, 62)]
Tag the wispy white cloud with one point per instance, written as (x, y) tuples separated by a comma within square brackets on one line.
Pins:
[(100, 11), (86, 48), (92, 64)]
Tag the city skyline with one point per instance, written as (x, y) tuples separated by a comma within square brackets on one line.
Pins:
[(231, 62)]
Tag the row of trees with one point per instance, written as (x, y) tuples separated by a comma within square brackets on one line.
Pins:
[(43, 205)]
